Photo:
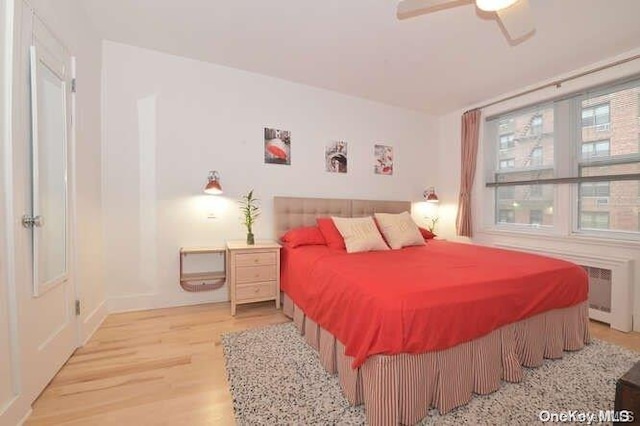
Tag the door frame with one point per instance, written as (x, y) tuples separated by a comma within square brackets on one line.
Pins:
[(12, 409)]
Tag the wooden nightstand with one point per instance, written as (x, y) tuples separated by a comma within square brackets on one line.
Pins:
[(253, 272)]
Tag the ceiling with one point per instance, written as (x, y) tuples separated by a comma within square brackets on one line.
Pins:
[(436, 63)]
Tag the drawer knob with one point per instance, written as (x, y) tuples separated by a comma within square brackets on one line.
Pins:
[(255, 260), (256, 290)]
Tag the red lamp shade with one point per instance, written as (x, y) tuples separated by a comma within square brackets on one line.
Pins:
[(430, 195), (213, 184)]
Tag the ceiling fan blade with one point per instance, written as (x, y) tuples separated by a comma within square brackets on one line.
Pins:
[(517, 20), (411, 8)]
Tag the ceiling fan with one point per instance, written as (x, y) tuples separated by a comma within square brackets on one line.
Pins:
[(515, 15)]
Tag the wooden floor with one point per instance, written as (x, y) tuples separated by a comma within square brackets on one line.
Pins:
[(159, 367), (166, 367)]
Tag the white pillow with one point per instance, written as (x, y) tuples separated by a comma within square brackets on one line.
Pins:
[(399, 230), (360, 234)]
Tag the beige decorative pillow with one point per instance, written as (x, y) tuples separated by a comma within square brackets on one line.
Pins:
[(360, 234), (399, 230)]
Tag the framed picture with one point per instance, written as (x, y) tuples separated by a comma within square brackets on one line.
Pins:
[(277, 146), (335, 157), (383, 160)]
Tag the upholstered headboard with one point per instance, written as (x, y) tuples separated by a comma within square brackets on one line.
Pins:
[(292, 212)]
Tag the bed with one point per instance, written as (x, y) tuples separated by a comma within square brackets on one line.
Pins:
[(427, 326)]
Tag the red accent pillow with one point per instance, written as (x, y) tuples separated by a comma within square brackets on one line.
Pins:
[(426, 234), (330, 232), (303, 236)]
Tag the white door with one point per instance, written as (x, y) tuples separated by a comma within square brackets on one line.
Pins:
[(46, 318)]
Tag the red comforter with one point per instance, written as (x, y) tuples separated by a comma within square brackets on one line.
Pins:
[(424, 298)]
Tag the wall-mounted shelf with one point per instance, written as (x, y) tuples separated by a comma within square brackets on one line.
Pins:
[(206, 280), (202, 276)]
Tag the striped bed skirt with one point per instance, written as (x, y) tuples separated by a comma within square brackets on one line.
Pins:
[(400, 389)]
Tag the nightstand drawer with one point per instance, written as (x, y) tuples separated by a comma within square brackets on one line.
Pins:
[(255, 259), (250, 274), (256, 291)]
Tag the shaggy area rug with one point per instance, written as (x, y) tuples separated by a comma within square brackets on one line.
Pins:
[(277, 379)]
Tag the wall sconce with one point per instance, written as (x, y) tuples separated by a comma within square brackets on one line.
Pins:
[(213, 184), (430, 195)]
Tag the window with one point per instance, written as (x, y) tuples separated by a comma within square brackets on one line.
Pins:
[(595, 180), (535, 190), (536, 156), (509, 163), (596, 149), (535, 217), (536, 125), (506, 216), (507, 141), (507, 193), (597, 115), (609, 204), (594, 220), (530, 159), (506, 126), (595, 189)]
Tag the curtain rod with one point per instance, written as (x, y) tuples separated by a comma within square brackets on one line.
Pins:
[(560, 82)]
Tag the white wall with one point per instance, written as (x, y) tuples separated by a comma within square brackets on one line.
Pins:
[(66, 20), (449, 177), (169, 120)]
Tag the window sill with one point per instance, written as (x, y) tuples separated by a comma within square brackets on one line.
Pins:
[(574, 238), (605, 241)]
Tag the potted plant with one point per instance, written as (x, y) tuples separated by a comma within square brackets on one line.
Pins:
[(432, 226), (250, 212)]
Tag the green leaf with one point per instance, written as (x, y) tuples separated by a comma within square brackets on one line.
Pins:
[(250, 210)]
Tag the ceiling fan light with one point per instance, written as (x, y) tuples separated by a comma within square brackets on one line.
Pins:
[(493, 5)]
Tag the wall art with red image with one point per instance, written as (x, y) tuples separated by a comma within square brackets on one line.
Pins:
[(277, 146)]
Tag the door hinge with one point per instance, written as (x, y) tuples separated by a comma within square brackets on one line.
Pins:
[(73, 85), (77, 307)]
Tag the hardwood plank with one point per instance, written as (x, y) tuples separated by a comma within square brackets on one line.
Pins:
[(163, 366), (166, 367)]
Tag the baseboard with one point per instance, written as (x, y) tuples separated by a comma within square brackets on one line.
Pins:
[(141, 302), (134, 302), (15, 412), (25, 417), (93, 321)]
